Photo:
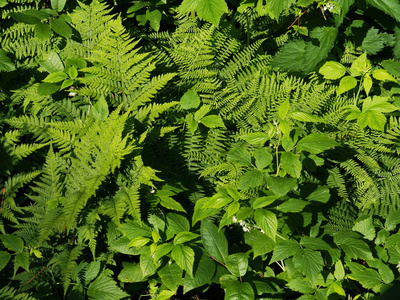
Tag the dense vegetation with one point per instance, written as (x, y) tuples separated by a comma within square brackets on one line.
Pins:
[(199, 149)]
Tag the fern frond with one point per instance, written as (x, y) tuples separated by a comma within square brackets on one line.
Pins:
[(97, 155), (49, 189), (66, 261)]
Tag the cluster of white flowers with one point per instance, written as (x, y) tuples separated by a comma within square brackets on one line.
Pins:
[(329, 6), (246, 226)]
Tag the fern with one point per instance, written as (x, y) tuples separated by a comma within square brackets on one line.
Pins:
[(102, 148), (66, 261)]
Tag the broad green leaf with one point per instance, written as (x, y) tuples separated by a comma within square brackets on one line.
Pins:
[(393, 67), (332, 70), (12, 242), (78, 63), (383, 75), (276, 7), (392, 220), (261, 202), (250, 179), (6, 64), (4, 258), (55, 77), (316, 52), (171, 276), (42, 31), (240, 155), (314, 243), (170, 203), (53, 63), (147, 264), (162, 250), (346, 84), (61, 27), (121, 246), (284, 109), (165, 295), (67, 83), (105, 288), (390, 7), (210, 10), (255, 138), (292, 205), (184, 236), (263, 158), (239, 291), (281, 186), (373, 119), (378, 103), (259, 242), (3, 3), (233, 208), (284, 126), (290, 162), (352, 246), (309, 262), (214, 241), (394, 254), (368, 278), (40, 14), (384, 270), (365, 226), (339, 270), (134, 229), (374, 41), (184, 257), (212, 121), (139, 242), (100, 109), (92, 271), (154, 18), (73, 73), (237, 264), (24, 17), (291, 56), (267, 221), (285, 249), (201, 112), (190, 100), (201, 213), (336, 288), (177, 223), (203, 273), (316, 143), (217, 201), (367, 84), (302, 285), (58, 5), (360, 66), (321, 194)]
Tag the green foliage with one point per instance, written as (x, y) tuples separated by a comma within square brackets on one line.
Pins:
[(248, 150)]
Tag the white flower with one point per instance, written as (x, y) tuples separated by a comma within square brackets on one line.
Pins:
[(152, 191), (329, 6), (234, 220), (245, 229), (398, 266), (72, 94)]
